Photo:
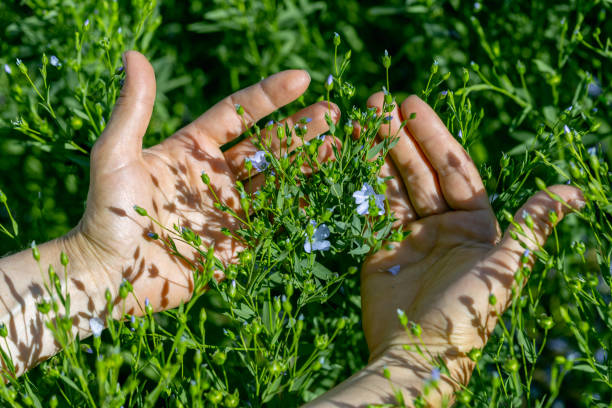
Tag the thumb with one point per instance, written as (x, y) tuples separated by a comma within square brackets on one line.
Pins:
[(535, 220), (121, 141)]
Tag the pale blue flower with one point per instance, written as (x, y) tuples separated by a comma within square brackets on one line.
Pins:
[(394, 270), (55, 61), (86, 23), (319, 241), (258, 160), (7, 69), (460, 134), (566, 129), (362, 200), (330, 80), (435, 374), (96, 325)]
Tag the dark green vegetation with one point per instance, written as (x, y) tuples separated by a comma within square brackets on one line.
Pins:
[(533, 67)]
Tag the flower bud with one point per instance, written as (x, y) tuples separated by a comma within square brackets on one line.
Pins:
[(474, 354), (35, 253), (434, 67), (466, 76), (219, 357), (386, 60), (140, 211), (337, 39), (205, 178)]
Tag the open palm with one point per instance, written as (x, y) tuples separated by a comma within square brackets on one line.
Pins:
[(454, 257), (166, 181)]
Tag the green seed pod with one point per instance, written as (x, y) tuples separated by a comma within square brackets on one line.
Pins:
[(205, 178), (321, 341), (3, 330), (434, 67), (63, 258), (386, 60), (528, 220), (43, 307), (512, 365), (280, 132), (386, 373), (140, 211), (466, 76), (341, 323), (337, 39), (463, 397), (232, 400), (492, 299), (239, 109), (36, 253), (219, 357), (540, 183), (546, 322), (594, 161), (416, 330), (123, 291), (215, 396), (76, 123), (520, 67), (474, 354)]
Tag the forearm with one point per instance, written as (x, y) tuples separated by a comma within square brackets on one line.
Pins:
[(409, 375), (26, 284)]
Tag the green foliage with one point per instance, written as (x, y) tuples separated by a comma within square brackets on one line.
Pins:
[(523, 85)]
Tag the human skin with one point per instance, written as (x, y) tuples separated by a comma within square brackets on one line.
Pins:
[(111, 241), (450, 263)]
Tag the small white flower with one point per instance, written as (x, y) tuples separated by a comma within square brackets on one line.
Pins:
[(55, 61), (96, 325)]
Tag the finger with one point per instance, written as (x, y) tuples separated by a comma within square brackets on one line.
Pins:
[(419, 178), (325, 153), (222, 123), (396, 194), (458, 177), (121, 141), (237, 155), (510, 252)]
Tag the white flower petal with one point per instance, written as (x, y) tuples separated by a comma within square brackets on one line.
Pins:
[(96, 325)]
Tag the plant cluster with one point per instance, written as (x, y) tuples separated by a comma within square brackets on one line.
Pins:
[(523, 86)]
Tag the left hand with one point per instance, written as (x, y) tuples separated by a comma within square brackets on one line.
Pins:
[(112, 240)]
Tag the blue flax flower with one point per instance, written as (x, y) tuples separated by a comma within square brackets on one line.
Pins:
[(319, 241), (258, 160), (362, 200)]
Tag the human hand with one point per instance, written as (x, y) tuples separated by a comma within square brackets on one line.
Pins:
[(453, 258), (112, 239)]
